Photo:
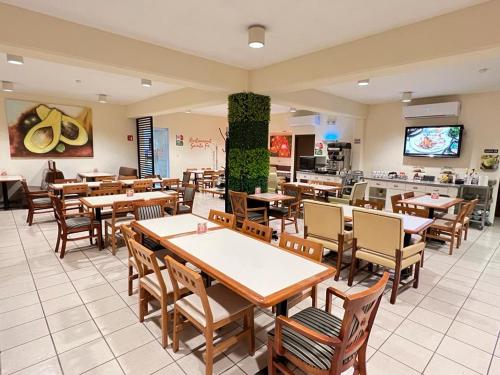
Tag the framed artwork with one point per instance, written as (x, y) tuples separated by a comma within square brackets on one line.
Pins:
[(280, 146), (48, 130)]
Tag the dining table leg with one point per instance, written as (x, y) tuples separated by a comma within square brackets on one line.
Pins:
[(98, 218), (282, 308), (5, 193)]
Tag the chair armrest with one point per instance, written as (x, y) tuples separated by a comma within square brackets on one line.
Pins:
[(76, 214), (38, 194), (282, 321), (257, 209), (331, 291), (408, 251)]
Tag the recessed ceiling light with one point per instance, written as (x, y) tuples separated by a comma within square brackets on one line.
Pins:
[(483, 70), (15, 59), (146, 82), (78, 81), (7, 86), (102, 98), (256, 36), (187, 111), (364, 82), (293, 109), (406, 97)]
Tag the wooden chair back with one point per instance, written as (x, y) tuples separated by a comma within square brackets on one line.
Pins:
[(408, 194), (396, 207), (105, 178), (58, 206), (256, 230), (125, 177), (358, 191), (472, 205), (123, 207), (307, 191), (102, 192), (129, 234), (360, 310), (222, 218), (315, 224), (152, 176), (65, 180), (377, 231), (373, 204), (307, 248), (111, 185), (76, 189), (294, 191), (141, 186), (239, 203), (189, 192), (146, 261), (191, 280), (170, 184), (414, 211), (186, 177), (150, 209)]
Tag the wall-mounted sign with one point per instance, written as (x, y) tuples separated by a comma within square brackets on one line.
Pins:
[(200, 143), (491, 150), (357, 141), (179, 140), (130, 137)]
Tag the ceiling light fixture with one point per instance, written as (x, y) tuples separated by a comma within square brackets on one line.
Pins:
[(102, 98), (406, 96), (146, 82), (256, 36), (187, 111), (15, 59), (364, 82), (293, 109), (7, 86)]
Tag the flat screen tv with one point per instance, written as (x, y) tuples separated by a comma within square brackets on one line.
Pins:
[(442, 141)]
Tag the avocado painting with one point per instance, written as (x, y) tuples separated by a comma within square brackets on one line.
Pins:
[(48, 130)]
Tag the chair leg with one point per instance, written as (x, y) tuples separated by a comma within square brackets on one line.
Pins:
[(176, 328), (352, 271), (113, 241), (142, 303), (416, 276), (466, 231), (340, 254), (282, 225), (452, 243), (296, 225), (58, 239), (209, 352), (63, 247), (30, 217), (164, 324), (271, 356), (99, 237), (130, 280), (395, 284), (362, 360)]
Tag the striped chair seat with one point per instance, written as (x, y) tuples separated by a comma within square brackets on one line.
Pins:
[(78, 222), (42, 202), (314, 354), (151, 244), (149, 212)]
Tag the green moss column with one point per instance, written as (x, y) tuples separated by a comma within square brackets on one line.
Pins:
[(247, 152)]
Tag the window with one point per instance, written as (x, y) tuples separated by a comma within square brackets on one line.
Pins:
[(145, 146)]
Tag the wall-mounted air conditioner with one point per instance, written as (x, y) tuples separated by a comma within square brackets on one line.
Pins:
[(449, 109), (309, 120)]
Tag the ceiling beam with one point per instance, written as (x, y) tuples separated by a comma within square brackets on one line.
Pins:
[(176, 101), (465, 31), (318, 101), (36, 35)]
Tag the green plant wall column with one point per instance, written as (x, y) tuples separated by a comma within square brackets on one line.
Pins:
[(247, 153)]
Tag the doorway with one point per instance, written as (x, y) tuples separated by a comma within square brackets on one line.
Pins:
[(160, 150), (304, 146)]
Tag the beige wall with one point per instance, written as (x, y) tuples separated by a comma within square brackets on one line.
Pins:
[(111, 148), (193, 126), (384, 136)]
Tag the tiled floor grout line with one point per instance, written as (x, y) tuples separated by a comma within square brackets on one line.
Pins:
[(461, 307), (41, 305), (494, 351)]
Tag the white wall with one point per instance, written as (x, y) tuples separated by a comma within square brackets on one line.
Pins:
[(384, 136), (192, 126), (111, 148)]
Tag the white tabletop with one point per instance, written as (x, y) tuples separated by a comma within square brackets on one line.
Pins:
[(428, 201), (9, 178), (411, 224), (108, 200), (270, 197), (172, 225), (260, 267), (95, 174)]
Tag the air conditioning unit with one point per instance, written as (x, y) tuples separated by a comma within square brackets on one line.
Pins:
[(309, 120), (449, 109)]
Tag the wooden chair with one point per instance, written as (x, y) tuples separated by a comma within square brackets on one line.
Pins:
[(117, 185), (373, 204), (38, 202), (358, 191), (65, 180), (128, 173), (319, 343), (142, 186), (150, 209), (170, 184), (153, 285), (330, 233), (466, 219), (185, 204), (422, 236), (133, 269), (71, 195), (124, 177), (120, 216), (258, 231), (105, 178), (289, 210), (307, 192), (306, 248), (209, 178), (450, 230), (209, 309), (378, 239), (240, 208), (69, 224), (408, 195), (105, 191), (222, 218), (396, 206)]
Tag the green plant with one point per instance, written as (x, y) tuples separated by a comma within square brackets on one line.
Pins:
[(248, 156)]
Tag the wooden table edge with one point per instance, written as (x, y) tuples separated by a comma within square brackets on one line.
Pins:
[(452, 203)]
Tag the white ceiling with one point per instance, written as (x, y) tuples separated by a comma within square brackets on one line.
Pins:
[(53, 79), (459, 77), (217, 29), (221, 110)]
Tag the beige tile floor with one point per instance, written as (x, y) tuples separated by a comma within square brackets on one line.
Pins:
[(74, 316)]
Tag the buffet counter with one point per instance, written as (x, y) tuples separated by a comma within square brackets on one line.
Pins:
[(304, 176)]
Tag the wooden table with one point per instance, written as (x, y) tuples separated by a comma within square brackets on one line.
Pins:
[(411, 224), (270, 197), (441, 203), (261, 273), (325, 189), (169, 226), (5, 193), (97, 184), (213, 191), (90, 176)]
